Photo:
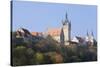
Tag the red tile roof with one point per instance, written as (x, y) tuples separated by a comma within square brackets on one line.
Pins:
[(36, 33), (54, 32), (51, 32)]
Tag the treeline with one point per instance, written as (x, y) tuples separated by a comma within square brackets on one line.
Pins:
[(48, 51)]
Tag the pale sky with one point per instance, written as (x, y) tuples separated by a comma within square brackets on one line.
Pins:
[(38, 16)]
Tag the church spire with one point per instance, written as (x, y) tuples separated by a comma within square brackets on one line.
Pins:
[(92, 33), (87, 33), (66, 16), (66, 19)]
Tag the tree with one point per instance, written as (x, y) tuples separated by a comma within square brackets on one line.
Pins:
[(39, 58)]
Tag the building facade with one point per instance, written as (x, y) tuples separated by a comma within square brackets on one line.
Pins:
[(62, 34)]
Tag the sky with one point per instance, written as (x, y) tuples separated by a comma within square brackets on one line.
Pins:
[(38, 16)]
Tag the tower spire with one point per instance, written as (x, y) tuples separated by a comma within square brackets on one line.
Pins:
[(66, 16), (92, 33), (87, 33)]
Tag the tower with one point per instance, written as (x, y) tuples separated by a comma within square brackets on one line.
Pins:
[(90, 38), (66, 31)]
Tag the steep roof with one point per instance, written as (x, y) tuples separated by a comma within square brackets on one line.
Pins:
[(54, 32)]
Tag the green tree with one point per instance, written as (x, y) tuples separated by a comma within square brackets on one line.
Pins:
[(39, 58)]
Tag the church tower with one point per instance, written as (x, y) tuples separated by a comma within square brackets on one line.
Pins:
[(90, 38), (66, 31)]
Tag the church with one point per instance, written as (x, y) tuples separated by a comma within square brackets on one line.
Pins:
[(62, 35)]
